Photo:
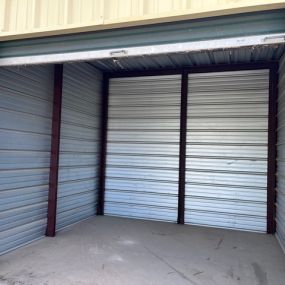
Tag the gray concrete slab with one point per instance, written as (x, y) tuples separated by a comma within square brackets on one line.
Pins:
[(117, 251)]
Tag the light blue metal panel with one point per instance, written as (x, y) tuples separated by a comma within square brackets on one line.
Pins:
[(79, 144), (226, 163), (280, 205), (25, 130), (143, 147)]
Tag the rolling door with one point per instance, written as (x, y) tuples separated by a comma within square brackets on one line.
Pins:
[(226, 161), (79, 144), (143, 147), (26, 96)]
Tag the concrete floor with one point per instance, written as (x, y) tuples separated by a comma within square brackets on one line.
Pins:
[(111, 251)]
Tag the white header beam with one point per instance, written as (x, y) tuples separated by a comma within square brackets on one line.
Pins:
[(186, 47)]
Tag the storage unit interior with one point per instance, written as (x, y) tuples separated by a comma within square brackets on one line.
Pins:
[(226, 162), (228, 155)]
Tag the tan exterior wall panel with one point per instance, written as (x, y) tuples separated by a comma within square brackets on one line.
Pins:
[(31, 18)]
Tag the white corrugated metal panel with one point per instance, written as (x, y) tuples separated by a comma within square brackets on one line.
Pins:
[(280, 206), (25, 129), (226, 164), (79, 144), (143, 147), (26, 18)]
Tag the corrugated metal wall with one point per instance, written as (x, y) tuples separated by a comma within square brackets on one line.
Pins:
[(79, 144), (280, 206), (26, 18), (226, 177), (143, 147), (25, 128)]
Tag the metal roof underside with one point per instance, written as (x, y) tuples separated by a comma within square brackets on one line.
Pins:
[(208, 57)]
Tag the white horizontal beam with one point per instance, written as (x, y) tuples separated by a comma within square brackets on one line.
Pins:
[(185, 47)]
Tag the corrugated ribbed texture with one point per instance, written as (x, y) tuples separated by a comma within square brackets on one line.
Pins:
[(25, 129), (247, 54), (280, 206), (22, 17), (226, 176), (79, 144), (143, 147)]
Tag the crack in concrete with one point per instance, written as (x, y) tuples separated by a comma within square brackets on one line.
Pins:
[(260, 274), (219, 243), (181, 274), (197, 273)]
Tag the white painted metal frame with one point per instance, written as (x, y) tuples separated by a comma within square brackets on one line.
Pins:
[(146, 50)]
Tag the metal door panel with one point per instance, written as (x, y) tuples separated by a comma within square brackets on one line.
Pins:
[(226, 157), (79, 144), (143, 147), (26, 96)]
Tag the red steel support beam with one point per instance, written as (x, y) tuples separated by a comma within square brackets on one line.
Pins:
[(272, 149), (54, 159), (182, 148), (103, 151)]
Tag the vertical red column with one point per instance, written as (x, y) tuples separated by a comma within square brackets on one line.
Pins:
[(104, 126), (272, 149), (54, 158), (182, 148)]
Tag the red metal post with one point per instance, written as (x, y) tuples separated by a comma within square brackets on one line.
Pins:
[(54, 158)]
